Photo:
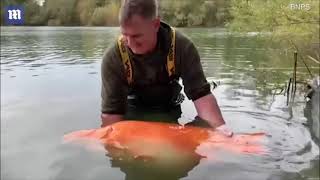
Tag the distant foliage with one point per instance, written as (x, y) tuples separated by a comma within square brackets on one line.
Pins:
[(290, 22), (105, 12), (195, 12), (83, 12)]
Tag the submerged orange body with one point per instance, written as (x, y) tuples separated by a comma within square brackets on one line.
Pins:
[(164, 141)]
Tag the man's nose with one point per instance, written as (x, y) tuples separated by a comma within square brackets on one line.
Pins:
[(130, 41)]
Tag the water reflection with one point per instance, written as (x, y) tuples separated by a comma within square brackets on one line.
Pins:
[(144, 171), (145, 168), (48, 45)]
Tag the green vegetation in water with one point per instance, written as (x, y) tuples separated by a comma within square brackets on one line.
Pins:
[(290, 24)]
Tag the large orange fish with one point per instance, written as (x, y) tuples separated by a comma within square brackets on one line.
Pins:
[(164, 143)]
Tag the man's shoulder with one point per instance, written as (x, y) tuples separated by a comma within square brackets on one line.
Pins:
[(111, 56), (182, 40), (186, 51), (111, 52)]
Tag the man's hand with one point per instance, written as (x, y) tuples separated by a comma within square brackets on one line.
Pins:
[(209, 110), (107, 119), (225, 130)]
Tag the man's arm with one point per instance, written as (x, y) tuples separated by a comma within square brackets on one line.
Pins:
[(197, 87), (114, 87), (107, 119), (208, 109)]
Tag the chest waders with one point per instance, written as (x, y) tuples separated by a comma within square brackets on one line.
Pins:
[(177, 98)]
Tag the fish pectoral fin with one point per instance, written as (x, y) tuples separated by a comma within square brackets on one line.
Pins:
[(77, 135), (253, 149), (115, 144), (105, 132)]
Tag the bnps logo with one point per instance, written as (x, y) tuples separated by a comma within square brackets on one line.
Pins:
[(14, 15)]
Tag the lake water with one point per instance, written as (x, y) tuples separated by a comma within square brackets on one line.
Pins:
[(50, 85)]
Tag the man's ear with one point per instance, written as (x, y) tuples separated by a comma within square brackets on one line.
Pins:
[(156, 23)]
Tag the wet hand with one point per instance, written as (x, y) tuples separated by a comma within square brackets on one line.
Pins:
[(225, 130), (108, 119)]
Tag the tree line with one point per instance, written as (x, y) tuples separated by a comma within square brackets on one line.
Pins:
[(180, 13)]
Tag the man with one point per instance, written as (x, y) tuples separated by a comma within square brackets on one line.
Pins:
[(140, 71)]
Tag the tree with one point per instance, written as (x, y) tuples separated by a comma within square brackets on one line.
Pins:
[(289, 23)]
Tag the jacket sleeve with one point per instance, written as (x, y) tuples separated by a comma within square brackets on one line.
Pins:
[(114, 86), (193, 78)]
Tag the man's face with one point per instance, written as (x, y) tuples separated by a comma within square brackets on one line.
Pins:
[(140, 34)]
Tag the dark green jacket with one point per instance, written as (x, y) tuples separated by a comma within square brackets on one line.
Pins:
[(151, 82)]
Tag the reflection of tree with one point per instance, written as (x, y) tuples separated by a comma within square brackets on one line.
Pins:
[(48, 45), (28, 49), (80, 45), (258, 64)]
